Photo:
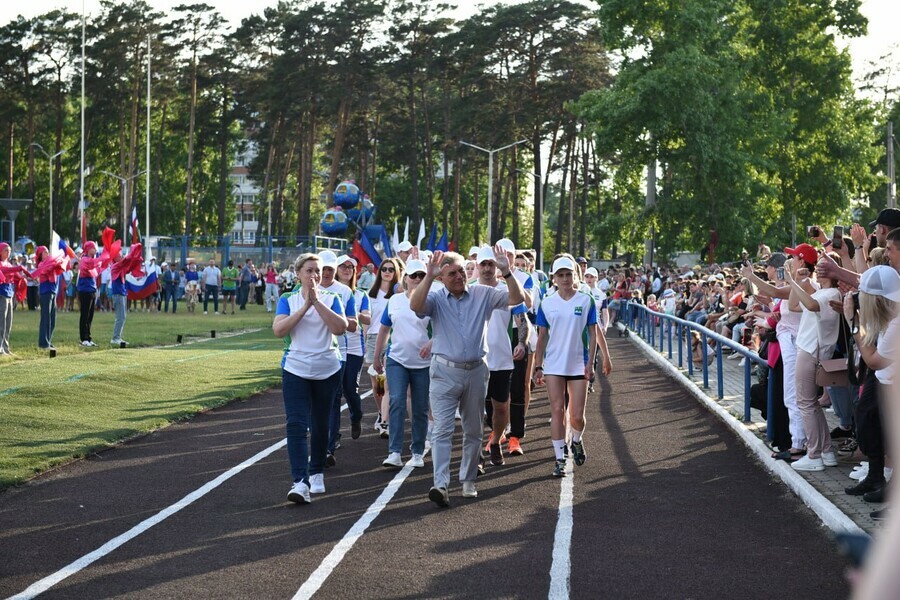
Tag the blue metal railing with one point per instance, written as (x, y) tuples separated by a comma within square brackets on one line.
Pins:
[(659, 328)]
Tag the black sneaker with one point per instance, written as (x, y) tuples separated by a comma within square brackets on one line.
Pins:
[(480, 470), (578, 453), (496, 455), (864, 487), (875, 495), (355, 430), (439, 496), (879, 515), (330, 460), (560, 469), (839, 433)]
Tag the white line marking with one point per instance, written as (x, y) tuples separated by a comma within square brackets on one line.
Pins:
[(41, 586), (334, 558), (561, 568), (46, 583)]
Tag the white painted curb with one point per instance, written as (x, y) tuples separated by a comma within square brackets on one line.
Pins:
[(831, 516)]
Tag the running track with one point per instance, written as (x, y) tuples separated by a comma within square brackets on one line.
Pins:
[(668, 505)]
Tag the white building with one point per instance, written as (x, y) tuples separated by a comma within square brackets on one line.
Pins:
[(246, 194)]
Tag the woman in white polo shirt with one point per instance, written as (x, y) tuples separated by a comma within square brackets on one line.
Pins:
[(309, 319), (564, 361), (356, 344), (407, 366)]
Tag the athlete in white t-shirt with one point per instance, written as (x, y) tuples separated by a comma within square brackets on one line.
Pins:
[(565, 360)]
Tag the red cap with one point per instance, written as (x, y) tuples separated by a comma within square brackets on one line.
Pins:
[(805, 252)]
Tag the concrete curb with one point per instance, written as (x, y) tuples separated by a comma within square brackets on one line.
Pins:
[(830, 515)]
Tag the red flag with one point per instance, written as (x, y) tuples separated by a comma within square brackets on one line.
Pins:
[(362, 258)]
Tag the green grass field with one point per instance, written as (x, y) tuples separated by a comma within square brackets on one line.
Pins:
[(85, 399)]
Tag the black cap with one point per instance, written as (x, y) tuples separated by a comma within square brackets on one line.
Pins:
[(581, 260), (889, 217), (777, 260)]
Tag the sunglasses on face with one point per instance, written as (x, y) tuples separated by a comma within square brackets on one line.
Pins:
[(416, 275), (387, 269)]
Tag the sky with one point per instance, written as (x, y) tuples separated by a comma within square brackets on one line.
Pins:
[(883, 35)]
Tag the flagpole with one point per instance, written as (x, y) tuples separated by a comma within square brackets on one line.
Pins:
[(81, 224), (147, 186)]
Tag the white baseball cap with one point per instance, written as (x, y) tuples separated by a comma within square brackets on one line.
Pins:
[(563, 262), (881, 280), (485, 253), (404, 246), (507, 245), (414, 265), (328, 258), (473, 250), (591, 271), (346, 258)]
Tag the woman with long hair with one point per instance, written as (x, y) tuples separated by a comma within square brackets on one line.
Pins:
[(309, 319), (390, 273), (47, 273), (271, 286), (407, 368), (356, 344)]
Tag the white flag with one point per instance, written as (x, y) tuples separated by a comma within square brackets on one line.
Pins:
[(421, 235), (395, 239), (55, 250), (406, 231)]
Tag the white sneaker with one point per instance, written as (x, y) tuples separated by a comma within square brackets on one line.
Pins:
[(734, 356), (427, 445), (86, 344), (829, 459), (217, 312), (468, 489), (859, 474), (114, 342), (378, 424), (808, 464), (299, 493), (888, 473), (204, 312), (393, 460), (317, 483), (743, 362), (416, 461)]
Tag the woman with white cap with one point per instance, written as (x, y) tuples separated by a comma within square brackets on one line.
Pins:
[(386, 284), (309, 319), (876, 331), (407, 367), (565, 360), (356, 344)]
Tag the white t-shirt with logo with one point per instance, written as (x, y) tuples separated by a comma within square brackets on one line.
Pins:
[(376, 308), (311, 350), (408, 333), (349, 304), (501, 331), (568, 323), (356, 341)]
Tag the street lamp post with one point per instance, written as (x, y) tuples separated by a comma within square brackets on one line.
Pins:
[(123, 181), (269, 226), (50, 162), (539, 216), (490, 197), (240, 192)]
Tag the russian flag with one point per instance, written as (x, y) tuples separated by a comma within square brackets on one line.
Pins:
[(363, 257), (141, 287)]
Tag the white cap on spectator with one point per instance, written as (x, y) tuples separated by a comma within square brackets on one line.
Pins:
[(404, 246), (473, 250), (712, 279), (415, 265), (165, 264), (426, 255), (591, 271), (668, 293), (346, 258), (507, 245), (881, 280), (485, 253), (563, 262), (329, 259)]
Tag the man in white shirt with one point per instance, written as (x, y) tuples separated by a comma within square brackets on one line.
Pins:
[(210, 282), (366, 278)]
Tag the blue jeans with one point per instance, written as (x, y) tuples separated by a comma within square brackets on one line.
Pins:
[(334, 415), (307, 403), (843, 400), (48, 320), (349, 389), (171, 292), (212, 291), (399, 379)]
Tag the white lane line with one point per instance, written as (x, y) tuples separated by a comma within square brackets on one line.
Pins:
[(337, 554), (561, 568), (46, 583), (41, 586)]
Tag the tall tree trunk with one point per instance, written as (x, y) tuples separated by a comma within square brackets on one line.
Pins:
[(537, 179), (57, 146), (445, 195), (563, 198), (502, 200), (374, 177), (11, 151), (274, 146), (156, 178), (31, 190), (585, 173), (340, 135), (514, 175), (476, 234), (190, 157), (457, 176), (414, 155), (278, 205), (428, 160)]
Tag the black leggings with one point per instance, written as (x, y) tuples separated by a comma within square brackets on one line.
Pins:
[(86, 301), (869, 430)]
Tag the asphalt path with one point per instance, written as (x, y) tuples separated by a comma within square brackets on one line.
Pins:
[(668, 505)]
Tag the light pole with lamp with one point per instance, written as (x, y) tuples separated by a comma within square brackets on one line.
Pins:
[(123, 181), (50, 162), (539, 218), (490, 154)]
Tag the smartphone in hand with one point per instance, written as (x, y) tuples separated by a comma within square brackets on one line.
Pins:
[(779, 273), (837, 238)]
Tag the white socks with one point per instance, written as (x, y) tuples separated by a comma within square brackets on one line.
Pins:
[(558, 447)]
